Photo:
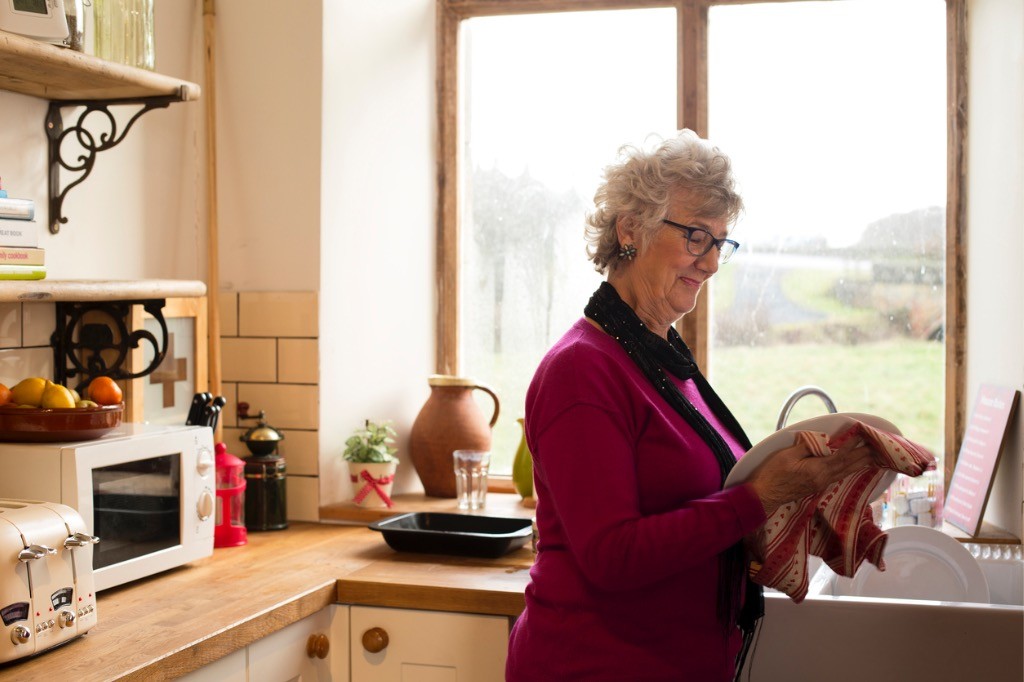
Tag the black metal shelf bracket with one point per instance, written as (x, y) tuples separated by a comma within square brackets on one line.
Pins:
[(90, 145), (84, 347)]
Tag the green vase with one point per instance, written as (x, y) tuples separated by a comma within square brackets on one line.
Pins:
[(522, 467)]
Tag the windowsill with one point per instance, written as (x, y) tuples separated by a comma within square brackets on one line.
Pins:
[(498, 504), (511, 505)]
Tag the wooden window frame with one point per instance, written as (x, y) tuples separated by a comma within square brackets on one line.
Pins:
[(692, 112)]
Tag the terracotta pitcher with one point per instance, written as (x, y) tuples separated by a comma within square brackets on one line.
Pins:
[(450, 420)]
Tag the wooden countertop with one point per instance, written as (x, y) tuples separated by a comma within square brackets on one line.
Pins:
[(162, 627)]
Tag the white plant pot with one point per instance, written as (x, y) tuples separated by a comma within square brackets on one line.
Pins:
[(375, 492)]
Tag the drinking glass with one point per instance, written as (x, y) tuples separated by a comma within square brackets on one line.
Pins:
[(471, 477)]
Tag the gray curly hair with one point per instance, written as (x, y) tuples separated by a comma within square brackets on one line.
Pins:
[(640, 183)]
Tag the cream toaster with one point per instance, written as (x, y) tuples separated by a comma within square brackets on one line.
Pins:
[(47, 595)]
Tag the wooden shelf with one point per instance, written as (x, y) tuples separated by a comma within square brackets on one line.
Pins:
[(31, 67), (84, 290)]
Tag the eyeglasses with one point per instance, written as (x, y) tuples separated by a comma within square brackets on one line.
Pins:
[(699, 241)]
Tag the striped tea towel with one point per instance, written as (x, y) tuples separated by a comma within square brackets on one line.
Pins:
[(835, 524)]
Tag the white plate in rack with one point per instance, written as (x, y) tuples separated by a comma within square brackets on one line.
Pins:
[(920, 563), (831, 424)]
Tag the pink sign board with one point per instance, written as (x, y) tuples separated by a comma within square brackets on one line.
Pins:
[(979, 455)]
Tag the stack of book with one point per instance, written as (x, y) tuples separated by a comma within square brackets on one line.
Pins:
[(20, 255)]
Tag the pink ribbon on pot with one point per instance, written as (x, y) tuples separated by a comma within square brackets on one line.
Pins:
[(373, 484)]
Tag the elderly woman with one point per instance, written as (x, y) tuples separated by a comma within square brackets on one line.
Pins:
[(640, 570)]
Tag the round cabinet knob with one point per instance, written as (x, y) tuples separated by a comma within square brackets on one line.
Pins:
[(318, 645), (375, 640), (204, 462), (204, 506), (66, 619), (20, 634)]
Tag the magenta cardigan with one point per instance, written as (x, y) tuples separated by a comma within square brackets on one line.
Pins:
[(631, 519)]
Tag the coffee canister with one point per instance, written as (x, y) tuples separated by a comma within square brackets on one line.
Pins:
[(266, 505), (265, 493)]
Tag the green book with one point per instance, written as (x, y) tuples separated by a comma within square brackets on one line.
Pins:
[(9, 272)]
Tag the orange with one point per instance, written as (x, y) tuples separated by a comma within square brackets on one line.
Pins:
[(5, 395), (105, 391)]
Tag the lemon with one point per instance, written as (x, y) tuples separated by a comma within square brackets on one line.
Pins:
[(85, 403), (55, 395), (29, 391)]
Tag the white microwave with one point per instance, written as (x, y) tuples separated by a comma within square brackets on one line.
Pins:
[(147, 491)]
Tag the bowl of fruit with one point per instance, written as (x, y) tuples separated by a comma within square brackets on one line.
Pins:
[(37, 410)]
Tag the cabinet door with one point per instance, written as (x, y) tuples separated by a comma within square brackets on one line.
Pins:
[(231, 668), (282, 656), (428, 646)]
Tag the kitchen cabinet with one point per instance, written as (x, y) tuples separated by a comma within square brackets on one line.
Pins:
[(231, 668), (406, 645), (314, 649)]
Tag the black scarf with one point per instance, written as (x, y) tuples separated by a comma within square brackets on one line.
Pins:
[(653, 355)]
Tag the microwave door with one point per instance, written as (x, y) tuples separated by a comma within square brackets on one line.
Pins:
[(136, 509)]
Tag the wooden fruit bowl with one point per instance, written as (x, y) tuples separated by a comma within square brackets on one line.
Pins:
[(52, 425)]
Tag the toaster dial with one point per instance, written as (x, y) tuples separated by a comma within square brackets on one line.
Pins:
[(20, 634), (66, 619)]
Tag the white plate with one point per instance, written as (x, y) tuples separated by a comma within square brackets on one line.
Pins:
[(920, 563), (831, 424)]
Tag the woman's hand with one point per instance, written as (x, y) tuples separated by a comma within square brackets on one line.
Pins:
[(794, 473)]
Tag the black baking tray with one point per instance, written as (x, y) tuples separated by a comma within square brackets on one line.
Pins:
[(462, 534)]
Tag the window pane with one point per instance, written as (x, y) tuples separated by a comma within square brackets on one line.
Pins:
[(835, 116), (548, 99)]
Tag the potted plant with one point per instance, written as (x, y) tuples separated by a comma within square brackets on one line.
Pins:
[(372, 463)]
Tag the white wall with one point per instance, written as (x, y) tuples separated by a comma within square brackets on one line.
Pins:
[(377, 299), (995, 224), (268, 144)]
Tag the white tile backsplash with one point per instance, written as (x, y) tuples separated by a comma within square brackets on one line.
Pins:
[(39, 320), (10, 325), (20, 363), (303, 498)]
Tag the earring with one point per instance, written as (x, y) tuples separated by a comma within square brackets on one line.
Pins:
[(627, 252)]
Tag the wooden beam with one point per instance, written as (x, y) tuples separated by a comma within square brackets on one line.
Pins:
[(692, 113), (956, 231), (448, 169), (212, 325)]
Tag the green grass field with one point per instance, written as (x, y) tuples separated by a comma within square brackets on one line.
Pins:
[(901, 380)]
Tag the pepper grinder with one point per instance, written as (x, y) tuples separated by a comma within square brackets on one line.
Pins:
[(265, 497)]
